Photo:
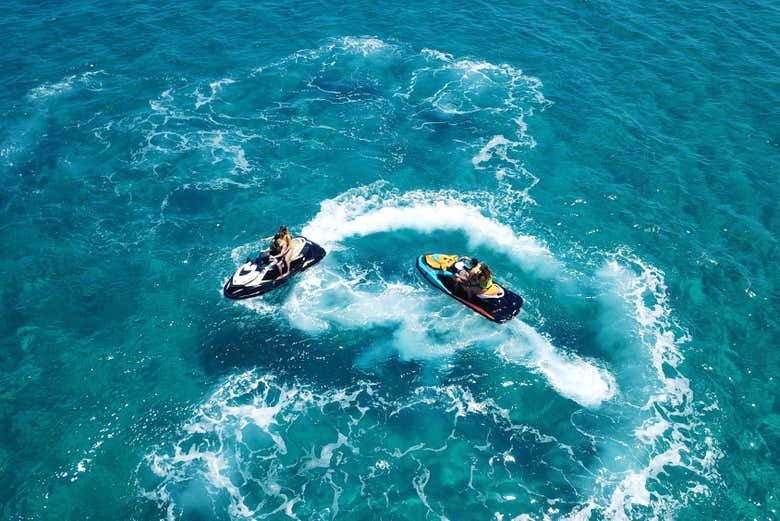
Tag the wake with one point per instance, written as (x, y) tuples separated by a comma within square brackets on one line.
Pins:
[(327, 300)]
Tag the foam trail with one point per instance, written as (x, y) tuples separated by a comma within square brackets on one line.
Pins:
[(357, 214), (577, 379), (329, 300), (420, 333), (214, 86), (671, 434), (90, 80)]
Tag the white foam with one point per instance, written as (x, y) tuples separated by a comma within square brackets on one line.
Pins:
[(498, 151), (214, 87), (216, 142), (366, 210), (475, 74), (570, 375), (89, 80), (326, 453), (671, 431), (223, 418), (329, 53), (503, 93), (46, 90), (362, 45), (259, 480), (326, 300), (429, 81)]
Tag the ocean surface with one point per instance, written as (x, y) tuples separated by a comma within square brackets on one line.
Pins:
[(616, 164)]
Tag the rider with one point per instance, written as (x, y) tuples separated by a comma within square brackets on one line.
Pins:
[(282, 249), (477, 280)]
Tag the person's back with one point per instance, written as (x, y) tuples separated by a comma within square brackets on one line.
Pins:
[(281, 249), (281, 241)]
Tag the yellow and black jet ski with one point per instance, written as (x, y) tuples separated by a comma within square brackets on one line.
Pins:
[(259, 276), (495, 303)]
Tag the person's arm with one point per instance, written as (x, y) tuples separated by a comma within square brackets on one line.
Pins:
[(288, 258)]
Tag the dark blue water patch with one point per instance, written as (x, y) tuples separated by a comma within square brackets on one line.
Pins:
[(330, 359), (189, 202)]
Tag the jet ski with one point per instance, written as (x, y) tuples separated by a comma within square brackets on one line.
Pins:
[(259, 276), (497, 303)]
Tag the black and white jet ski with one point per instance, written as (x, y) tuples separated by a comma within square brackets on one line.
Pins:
[(259, 276)]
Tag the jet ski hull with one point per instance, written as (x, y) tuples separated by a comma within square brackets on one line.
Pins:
[(259, 276), (502, 306)]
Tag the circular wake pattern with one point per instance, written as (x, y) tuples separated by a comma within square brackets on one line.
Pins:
[(619, 415), (655, 427), (629, 199)]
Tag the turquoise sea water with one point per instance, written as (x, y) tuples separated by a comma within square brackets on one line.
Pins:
[(616, 164)]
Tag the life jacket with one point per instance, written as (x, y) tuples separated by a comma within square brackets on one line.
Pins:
[(474, 278), (279, 241), (487, 283)]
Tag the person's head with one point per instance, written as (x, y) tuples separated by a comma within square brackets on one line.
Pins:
[(485, 271), (281, 233), (474, 262)]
